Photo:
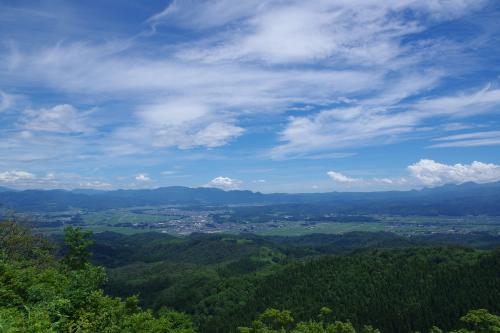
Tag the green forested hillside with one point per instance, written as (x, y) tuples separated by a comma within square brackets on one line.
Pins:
[(379, 279), (395, 291), (41, 294), (242, 283)]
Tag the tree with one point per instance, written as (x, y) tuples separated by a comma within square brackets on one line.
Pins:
[(276, 319), (51, 298), (481, 321), (281, 321), (77, 244), (17, 242)]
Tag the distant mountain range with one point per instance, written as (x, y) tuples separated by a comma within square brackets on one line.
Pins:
[(5, 189), (468, 198)]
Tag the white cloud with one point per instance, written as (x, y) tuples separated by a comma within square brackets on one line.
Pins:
[(466, 136), (205, 14), (468, 143), (361, 32), (475, 139), (341, 128), (450, 127), (338, 177), (172, 113), (351, 73), (461, 105), (205, 94), (6, 101), (323, 156), (384, 180), (394, 181), (15, 175), (424, 173), (142, 177), (224, 183), (364, 125), (184, 125), (96, 185), (431, 173), (180, 123), (216, 134), (62, 118), (103, 70), (27, 180), (44, 150)]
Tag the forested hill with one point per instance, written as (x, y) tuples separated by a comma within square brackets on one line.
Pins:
[(422, 286), (469, 198), (395, 283), (225, 283)]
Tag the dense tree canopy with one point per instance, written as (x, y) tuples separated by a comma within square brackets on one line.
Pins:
[(41, 294), (370, 291), (225, 281), (281, 321)]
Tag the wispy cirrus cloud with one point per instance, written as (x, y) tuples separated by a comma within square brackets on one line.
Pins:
[(474, 139), (62, 118), (20, 179), (461, 105), (328, 33), (309, 81), (6, 101), (355, 32), (165, 89), (341, 128), (368, 125)]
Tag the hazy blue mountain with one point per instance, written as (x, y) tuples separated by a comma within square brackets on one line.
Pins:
[(468, 198), (89, 191)]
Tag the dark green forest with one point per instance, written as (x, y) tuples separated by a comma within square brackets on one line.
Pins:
[(151, 282), (394, 283)]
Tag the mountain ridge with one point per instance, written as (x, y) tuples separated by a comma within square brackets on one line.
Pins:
[(475, 198)]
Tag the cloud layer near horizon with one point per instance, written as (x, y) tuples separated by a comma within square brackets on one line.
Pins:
[(429, 173), (424, 173)]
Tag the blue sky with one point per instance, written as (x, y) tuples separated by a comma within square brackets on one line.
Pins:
[(271, 96)]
